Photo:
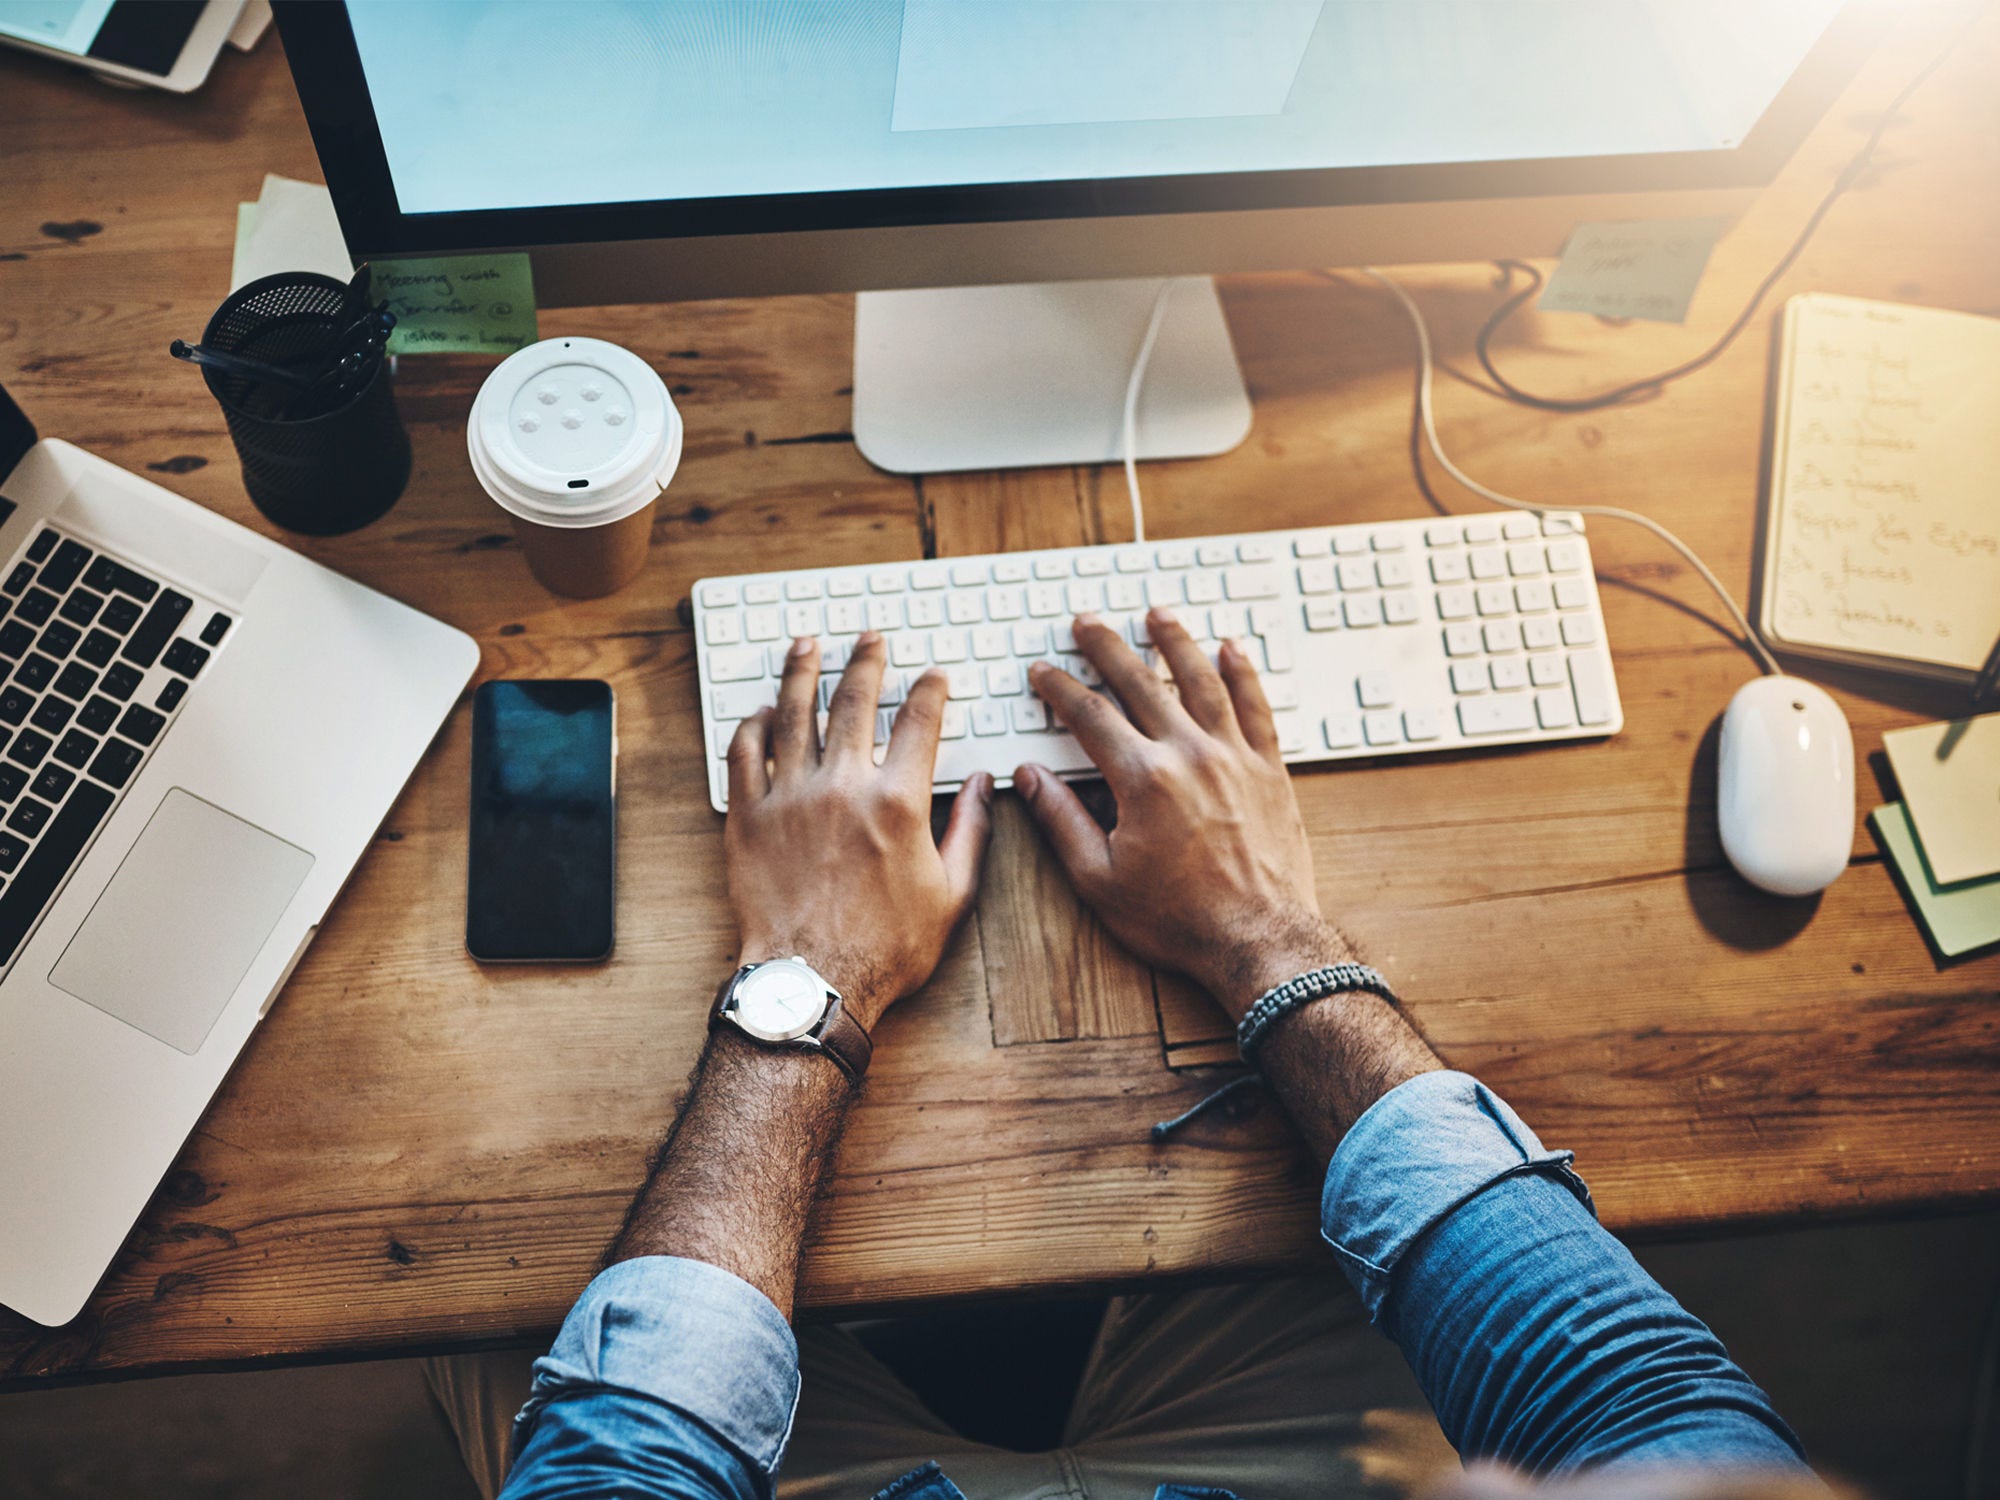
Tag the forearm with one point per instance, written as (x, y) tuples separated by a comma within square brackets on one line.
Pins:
[(735, 1182)]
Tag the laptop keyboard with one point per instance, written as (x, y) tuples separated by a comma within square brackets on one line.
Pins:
[(96, 660)]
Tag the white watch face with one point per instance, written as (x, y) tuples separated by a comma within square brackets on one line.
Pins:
[(780, 1000)]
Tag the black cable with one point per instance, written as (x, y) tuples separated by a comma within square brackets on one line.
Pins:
[(1651, 385)]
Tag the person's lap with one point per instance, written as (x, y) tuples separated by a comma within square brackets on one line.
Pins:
[(1271, 1389)]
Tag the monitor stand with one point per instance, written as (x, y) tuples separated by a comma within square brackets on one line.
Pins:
[(1009, 377)]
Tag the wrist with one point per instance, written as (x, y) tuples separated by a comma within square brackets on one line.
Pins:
[(1290, 946), (864, 992)]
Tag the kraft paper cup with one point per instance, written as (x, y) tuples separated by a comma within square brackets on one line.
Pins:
[(575, 439)]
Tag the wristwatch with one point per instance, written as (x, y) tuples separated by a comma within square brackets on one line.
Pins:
[(783, 1002)]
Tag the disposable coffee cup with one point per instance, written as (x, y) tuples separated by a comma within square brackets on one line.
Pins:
[(575, 439)]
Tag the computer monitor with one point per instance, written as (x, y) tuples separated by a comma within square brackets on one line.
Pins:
[(994, 176)]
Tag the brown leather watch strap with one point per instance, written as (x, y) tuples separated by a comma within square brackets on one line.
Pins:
[(846, 1041)]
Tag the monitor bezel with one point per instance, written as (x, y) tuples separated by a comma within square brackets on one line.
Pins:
[(326, 65)]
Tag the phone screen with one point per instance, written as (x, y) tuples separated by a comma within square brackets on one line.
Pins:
[(544, 823)]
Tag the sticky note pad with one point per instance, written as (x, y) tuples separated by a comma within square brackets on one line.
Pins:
[(1647, 269), (1958, 918), (1949, 775), (459, 304)]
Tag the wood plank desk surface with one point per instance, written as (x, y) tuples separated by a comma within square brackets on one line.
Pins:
[(418, 1152)]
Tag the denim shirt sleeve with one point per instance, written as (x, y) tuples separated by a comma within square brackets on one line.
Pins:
[(1538, 1339), (670, 1378)]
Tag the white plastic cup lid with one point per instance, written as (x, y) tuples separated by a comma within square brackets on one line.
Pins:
[(573, 433)]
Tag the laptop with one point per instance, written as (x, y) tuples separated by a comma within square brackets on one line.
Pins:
[(200, 732)]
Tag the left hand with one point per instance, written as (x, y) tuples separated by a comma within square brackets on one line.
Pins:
[(830, 856)]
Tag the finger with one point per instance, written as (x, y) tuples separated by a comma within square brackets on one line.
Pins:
[(1147, 702), (1082, 847), (748, 780), (1106, 735), (850, 720), (1246, 692), (1202, 692), (963, 847), (913, 738), (795, 723)]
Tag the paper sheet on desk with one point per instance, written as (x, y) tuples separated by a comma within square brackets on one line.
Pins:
[(1949, 775), (1959, 918), (291, 227), (1646, 269), (1884, 537)]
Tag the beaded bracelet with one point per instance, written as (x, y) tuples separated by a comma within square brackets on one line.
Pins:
[(1273, 1006)]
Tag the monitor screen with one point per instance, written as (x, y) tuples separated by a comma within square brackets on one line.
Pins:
[(486, 104)]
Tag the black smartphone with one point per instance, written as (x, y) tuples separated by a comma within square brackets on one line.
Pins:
[(542, 871)]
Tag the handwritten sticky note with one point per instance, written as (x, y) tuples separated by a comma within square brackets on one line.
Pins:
[(1646, 269), (1949, 775), (1885, 537), (1959, 918), (459, 304)]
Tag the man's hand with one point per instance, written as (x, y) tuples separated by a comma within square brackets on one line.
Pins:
[(1208, 871), (830, 855)]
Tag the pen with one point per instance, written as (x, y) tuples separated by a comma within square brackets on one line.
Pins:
[(1989, 678)]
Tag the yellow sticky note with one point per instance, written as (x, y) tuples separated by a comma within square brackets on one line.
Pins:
[(1958, 918), (1949, 775), (458, 304), (1647, 269)]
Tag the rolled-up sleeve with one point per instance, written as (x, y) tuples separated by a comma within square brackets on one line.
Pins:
[(1540, 1342), (670, 1377)]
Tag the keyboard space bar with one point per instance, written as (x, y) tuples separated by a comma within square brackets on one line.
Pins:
[(28, 892)]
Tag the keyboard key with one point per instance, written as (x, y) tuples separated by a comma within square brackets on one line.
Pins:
[(1571, 593), (1356, 573), (76, 749), (964, 680), (22, 902), (100, 713), (1509, 673), (1005, 679), (1400, 609), (1545, 669), (81, 607), (1501, 635), (1214, 554), (35, 607), (1375, 689), (14, 705), (1565, 557), (35, 672), (29, 749), (1593, 689), (1384, 727), (1450, 567), (216, 628), (1554, 710), (758, 625), (171, 695), (1361, 612), (59, 639), (1488, 563), (1468, 677), (20, 578), (908, 649), (75, 681), (1512, 714), (121, 680), (840, 586), (711, 595), (1347, 543), (1317, 577), (1342, 731), (1291, 734), (1516, 528), (43, 544), (763, 591), (1494, 599), (120, 615), (65, 567), (1314, 544), (1422, 724), (948, 646), (15, 638), (1456, 603), (1282, 692), (1204, 588), (11, 850), (52, 783), (116, 761), (1092, 564), (1030, 715), (123, 579), (722, 629), (1579, 630), (1461, 638), (1525, 560), (801, 620), (1393, 572), (1441, 534), (143, 649), (1323, 614), (12, 780), (951, 724), (1540, 633), (51, 716), (1388, 541), (989, 717)]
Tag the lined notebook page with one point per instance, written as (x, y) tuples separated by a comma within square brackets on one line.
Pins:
[(1885, 506)]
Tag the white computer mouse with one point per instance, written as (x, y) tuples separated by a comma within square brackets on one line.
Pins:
[(1785, 788)]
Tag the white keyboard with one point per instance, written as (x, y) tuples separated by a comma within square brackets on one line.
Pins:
[(1382, 639)]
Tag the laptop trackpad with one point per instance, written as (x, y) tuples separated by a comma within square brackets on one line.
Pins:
[(181, 922)]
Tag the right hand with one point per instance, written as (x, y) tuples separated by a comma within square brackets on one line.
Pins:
[(1208, 871)]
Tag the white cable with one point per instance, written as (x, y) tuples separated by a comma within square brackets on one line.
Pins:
[(1131, 438), (1426, 364)]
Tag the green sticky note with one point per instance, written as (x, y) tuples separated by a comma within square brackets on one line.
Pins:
[(1958, 917), (459, 304)]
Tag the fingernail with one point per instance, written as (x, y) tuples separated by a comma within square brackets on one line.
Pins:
[(1024, 779), (1164, 615), (1037, 666), (869, 638), (801, 645), (983, 787), (1087, 618), (1229, 647)]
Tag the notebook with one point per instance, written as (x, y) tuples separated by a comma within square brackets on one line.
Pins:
[(1882, 542)]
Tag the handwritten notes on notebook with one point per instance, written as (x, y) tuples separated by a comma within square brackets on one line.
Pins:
[(1884, 542)]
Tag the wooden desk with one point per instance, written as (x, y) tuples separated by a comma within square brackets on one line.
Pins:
[(417, 1152)]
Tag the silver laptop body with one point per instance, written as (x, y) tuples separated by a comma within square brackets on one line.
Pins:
[(177, 859)]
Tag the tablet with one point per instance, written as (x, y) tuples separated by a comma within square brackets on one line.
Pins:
[(167, 44)]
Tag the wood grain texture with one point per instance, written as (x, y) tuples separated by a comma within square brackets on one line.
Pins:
[(417, 1152)]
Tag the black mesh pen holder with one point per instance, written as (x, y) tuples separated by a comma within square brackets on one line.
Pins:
[(308, 468)]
